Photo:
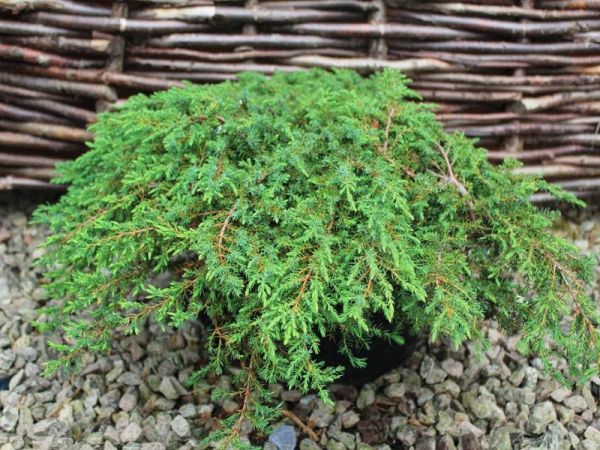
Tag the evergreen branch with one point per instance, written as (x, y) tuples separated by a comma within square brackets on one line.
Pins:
[(126, 276), (83, 224), (147, 310), (369, 287), (452, 179), (222, 337), (243, 412), (225, 225), (304, 280), (383, 150), (387, 130), (122, 234), (569, 277)]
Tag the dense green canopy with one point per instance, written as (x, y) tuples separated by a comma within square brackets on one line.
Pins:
[(292, 208)]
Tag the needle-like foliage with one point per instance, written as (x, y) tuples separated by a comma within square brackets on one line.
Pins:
[(290, 209)]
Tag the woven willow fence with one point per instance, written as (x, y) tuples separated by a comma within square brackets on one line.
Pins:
[(522, 76)]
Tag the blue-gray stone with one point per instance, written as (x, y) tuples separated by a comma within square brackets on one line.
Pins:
[(284, 438)]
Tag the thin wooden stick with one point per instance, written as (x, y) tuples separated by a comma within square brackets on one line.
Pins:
[(559, 170), (495, 11), (70, 7), (39, 173), (111, 25), (17, 113), (388, 30), (246, 15), (48, 130), (16, 159), (22, 140), (32, 56), (272, 40), (305, 428), (72, 112), (12, 182), (89, 90), (370, 64), (63, 44), (501, 47), (518, 29), (539, 154)]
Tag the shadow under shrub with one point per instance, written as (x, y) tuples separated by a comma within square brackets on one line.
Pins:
[(292, 209)]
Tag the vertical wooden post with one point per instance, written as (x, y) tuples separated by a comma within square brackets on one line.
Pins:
[(250, 28), (116, 57), (378, 47), (514, 143)]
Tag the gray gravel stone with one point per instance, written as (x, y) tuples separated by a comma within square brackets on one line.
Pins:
[(7, 358), (128, 402), (284, 438), (291, 396), (407, 434), (554, 438), (453, 368), (348, 439), (576, 402), (395, 390), (593, 434), (500, 440), (205, 410), (349, 419), (431, 371), (335, 445), (9, 419), (587, 444), (484, 407), (468, 441), (309, 444), (170, 388), (366, 396), (446, 443), (560, 394), (180, 426), (425, 443), (95, 439), (188, 410), (129, 379), (541, 416), (321, 418), (230, 406), (448, 386), (153, 446), (130, 433)]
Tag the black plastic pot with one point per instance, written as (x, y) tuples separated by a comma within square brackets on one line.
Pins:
[(382, 356)]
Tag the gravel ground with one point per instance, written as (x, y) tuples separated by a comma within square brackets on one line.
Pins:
[(135, 397)]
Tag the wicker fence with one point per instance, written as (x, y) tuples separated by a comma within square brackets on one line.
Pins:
[(523, 76)]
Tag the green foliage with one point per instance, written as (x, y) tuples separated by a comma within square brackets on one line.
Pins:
[(293, 208)]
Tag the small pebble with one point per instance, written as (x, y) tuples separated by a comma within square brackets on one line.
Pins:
[(180, 426), (127, 402), (284, 437), (130, 433)]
